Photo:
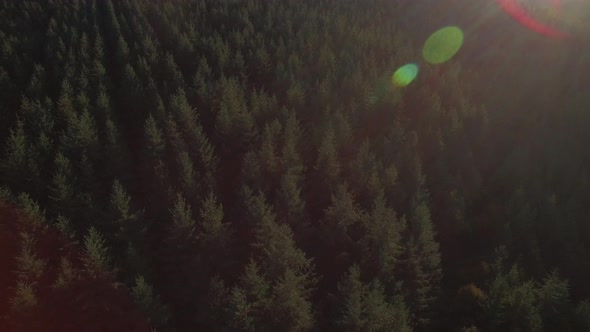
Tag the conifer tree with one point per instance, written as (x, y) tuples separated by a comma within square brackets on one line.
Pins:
[(149, 302), (154, 169), (365, 308), (62, 187), (199, 148), (382, 242), (234, 122), (179, 263), (96, 257), (213, 232), (281, 288), (19, 168), (114, 152), (339, 217), (173, 80), (81, 136), (249, 300), (555, 302), (129, 230), (327, 167), (423, 266)]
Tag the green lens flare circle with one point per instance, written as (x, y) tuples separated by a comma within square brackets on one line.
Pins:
[(405, 75), (442, 45)]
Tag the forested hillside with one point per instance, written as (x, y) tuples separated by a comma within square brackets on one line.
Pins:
[(248, 166)]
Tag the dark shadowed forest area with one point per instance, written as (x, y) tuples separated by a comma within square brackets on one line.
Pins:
[(248, 165)]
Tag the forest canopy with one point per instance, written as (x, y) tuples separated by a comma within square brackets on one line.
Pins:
[(200, 165)]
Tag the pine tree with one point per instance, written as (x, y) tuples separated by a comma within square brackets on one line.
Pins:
[(81, 136), (29, 266), (234, 123), (364, 174), (149, 303), (25, 297), (129, 230), (62, 187), (103, 105), (154, 169), (382, 242), (286, 304), (291, 205), (66, 274), (122, 52), (265, 178), (19, 167), (327, 167), (327, 162), (173, 80), (96, 258), (199, 148), (213, 232), (33, 214), (133, 93), (423, 265), (36, 88), (65, 104), (114, 152), (275, 243), (291, 307), (187, 176), (249, 301), (179, 264), (513, 302), (352, 289), (155, 143), (365, 308), (339, 218), (292, 139), (555, 302)]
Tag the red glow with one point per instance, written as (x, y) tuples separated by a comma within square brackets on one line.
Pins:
[(520, 15)]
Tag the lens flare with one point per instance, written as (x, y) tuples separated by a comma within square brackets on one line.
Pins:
[(520, 14), (405, 75), (442, 45)]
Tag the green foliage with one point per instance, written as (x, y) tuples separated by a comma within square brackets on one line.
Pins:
[(155, 143), (129, 230), (25, 296), (555, 302), (5, 194), (423, 264), (233, 122), (149, 303), (327, 164), (114, 151), (96, 258), (364, 307), (512, 302), (250, 300), (81, 133), (61, 187), (251, 161), (67, 274), (29, 266), (181, 215), (212, 231), (274, 293), (33, 213), (19, 166), (382, 243), (275, 244)]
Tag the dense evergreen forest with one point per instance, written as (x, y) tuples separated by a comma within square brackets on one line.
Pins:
[(201, 165)]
